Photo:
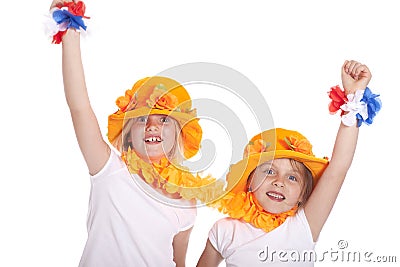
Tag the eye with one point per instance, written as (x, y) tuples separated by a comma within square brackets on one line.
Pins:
[(292, 178), (269, 171), (165, 119), (142, 119)]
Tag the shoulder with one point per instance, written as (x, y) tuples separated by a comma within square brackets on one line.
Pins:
[(298, 227), (298, 219), (225, 225), (221, 229), (186, 215), (228, 229), (230, 226), (113, 164), (228, 236)]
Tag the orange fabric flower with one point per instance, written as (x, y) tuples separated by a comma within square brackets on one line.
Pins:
[(123, 102), (302, 145), (255, 147), (166, 101), (161, 99)]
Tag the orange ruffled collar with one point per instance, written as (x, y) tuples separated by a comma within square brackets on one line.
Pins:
[(244, 206), (174, 178)]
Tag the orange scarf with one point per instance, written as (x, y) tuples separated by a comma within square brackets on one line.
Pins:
[(177, 179), (244, 206), (174, 178)]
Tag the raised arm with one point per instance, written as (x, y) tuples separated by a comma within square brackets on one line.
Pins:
[(94, 149), (355, 76)]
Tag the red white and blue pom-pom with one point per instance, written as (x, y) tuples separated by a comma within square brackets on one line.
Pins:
[(65, 16), (360, 107)]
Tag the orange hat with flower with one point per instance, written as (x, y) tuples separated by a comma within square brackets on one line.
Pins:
[(274, 144), (157, 95)]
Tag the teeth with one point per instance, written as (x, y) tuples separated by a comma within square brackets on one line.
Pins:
[(275, 195), (153, 139)]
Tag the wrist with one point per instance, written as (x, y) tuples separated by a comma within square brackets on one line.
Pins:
[(351, 90), (72, 34)]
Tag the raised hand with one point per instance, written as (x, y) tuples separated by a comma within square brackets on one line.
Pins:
[(355, 76)]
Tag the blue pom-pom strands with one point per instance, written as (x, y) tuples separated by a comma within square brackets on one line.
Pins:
[(62, 16), (373, 103)]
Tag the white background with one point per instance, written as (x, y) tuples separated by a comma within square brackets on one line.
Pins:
[(291, 50)]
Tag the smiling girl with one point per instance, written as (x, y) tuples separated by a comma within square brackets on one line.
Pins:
[(142, 201), (280, 194)]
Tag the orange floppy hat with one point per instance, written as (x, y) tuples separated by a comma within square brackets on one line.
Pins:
[(157, 95), (274, 144)]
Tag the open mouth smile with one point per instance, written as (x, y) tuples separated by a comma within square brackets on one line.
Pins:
[(275, 196), (153, 140)]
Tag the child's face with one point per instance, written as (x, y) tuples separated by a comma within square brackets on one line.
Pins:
[(153, 136), (277, 185)]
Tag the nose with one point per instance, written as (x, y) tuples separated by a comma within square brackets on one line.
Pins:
[(278, 182), (151, 125)]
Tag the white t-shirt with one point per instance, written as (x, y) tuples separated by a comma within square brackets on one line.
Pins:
[(127, 225), (242, 244)]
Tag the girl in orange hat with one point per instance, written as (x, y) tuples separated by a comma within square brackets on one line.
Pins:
[(142, 200), (280, 194)]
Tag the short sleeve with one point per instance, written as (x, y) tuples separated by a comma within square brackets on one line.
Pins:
[(186, 217), (213, 237), (220, 235), (114, 163), (302, 218)]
